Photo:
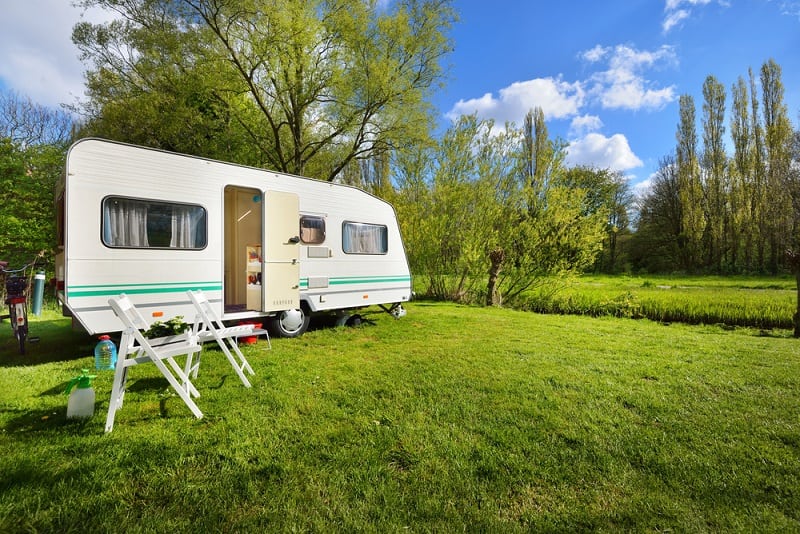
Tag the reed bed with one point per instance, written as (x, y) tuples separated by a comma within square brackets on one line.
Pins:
[(737, 301)]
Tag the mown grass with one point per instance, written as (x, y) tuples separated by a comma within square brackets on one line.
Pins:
[(453, 418), (758, 302)]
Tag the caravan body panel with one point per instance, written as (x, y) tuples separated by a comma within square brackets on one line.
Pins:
[(323, 264)]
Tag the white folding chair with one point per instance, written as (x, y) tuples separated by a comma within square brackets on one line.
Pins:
[(135, 349), (208, 326)]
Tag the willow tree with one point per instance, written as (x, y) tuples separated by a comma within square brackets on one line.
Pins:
[(468, 209), (452, 206), (308, 85)]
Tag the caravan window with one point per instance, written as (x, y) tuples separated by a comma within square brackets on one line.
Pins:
[(362, 238), (135, 223), (312, 230)]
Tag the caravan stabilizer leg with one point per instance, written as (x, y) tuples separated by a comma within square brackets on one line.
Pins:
[(348, 319), (396, 310)]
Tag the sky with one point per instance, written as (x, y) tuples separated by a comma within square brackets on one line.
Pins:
[(607, 74)]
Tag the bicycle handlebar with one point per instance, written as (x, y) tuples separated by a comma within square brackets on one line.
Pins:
[(4, 264)]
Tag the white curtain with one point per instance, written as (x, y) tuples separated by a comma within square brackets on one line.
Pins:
[(125, 223), (185, 225), (358, 238)]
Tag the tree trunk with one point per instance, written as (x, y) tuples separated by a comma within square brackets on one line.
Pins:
[(797, 312), (497, 256), (793, 259)]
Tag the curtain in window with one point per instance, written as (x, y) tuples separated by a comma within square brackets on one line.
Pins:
[(187, 227), (312, 230), (364, 238), (125, 223), (144, 224)]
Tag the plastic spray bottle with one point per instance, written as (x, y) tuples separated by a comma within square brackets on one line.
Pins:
[(81, 400)]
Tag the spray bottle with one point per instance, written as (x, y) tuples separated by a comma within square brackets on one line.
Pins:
[(81, 400)]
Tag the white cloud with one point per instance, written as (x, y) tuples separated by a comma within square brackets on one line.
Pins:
[(790, 8), (622, 85), (642, 188), (673, 18), (595, 54), (597, 150), (675, 13), (584, 124), (39, 59), (557, 98)]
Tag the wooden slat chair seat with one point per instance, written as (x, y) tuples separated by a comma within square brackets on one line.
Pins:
[(208, 326), (135, 349)]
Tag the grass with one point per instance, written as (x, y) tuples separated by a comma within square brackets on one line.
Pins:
[(758, 302), (453, 418)]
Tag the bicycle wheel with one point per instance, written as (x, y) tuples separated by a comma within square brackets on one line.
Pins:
[(21, 334), (20, 329)]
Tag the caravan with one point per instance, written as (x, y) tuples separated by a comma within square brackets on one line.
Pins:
[(261, 245)]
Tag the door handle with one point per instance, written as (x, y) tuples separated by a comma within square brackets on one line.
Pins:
[(294, 240)]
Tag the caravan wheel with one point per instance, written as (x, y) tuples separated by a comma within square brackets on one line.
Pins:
[(290, 323)]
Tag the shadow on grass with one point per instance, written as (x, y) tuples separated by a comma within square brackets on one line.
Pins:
[(57, 342), (47, 419)]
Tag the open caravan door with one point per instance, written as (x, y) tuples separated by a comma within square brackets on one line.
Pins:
[(281, 256)]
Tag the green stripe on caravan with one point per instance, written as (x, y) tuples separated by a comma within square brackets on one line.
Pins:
[(360, 280), (369, 280), (139, 289)]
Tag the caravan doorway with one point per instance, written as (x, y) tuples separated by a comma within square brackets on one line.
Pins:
[(243, 236)]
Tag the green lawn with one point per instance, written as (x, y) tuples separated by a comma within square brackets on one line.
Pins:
[(452, 418)]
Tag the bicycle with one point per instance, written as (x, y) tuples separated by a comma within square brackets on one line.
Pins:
[(17, 302)]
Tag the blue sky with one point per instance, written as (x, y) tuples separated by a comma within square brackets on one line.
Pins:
[(607, 74)]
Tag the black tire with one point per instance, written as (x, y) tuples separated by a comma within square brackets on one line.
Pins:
[(19, 331), (290, 323), (21, 337), (22, 333)]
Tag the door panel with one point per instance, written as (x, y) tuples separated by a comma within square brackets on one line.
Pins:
[(281, 254)]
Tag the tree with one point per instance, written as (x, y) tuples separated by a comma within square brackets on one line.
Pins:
[(606, 191), (714, 166), (26, 123), (742, 232), (778, 146), (689, 186), (308, 86), (749, 203), (27, 179), (759, 185), (477, 229), (33, 140), (538, 149), (656, 243)]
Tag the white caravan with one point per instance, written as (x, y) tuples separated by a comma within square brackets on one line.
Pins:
[(260, 244)]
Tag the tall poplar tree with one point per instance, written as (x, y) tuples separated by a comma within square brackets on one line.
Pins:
[(759, 185), (538, 151), (742, 230), (778, 146), (689, 186), (714, 168)]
